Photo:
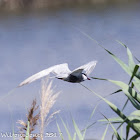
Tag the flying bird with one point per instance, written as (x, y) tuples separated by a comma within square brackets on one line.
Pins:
[(62, 72)]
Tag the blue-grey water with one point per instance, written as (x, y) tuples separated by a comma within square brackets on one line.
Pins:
[(31, 42)]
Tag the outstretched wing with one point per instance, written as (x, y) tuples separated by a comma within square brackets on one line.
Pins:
[(88, 68), (57, 69)]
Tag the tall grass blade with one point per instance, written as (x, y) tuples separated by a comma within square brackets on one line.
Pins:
[(120, 126), (117, 111), (68, 133), (60, 132), (119, 90), (115, 131), (134, 137), (125, 104), (136, 77), (137, 59), (121, 132), (113, 120), (126, 88), (129, 95), (132, 100), (120, 62), (129, 92), (134, 73), (93, 111), (137, 85), (28, 132), (130, 59), (127, 131), (13, 134), (136, 113), (78, 132), (88, 126), (74, 137), (132, 85), (130, 56), (103, 137)]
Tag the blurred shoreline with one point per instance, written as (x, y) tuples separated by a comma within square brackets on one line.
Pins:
[(20, 5)]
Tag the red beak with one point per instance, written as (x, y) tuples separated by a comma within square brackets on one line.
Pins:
[(88, 78)]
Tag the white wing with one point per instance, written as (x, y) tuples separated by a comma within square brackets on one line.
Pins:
[(88, 68), (57, 69)]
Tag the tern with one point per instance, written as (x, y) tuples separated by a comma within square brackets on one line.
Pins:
[(62, 72)]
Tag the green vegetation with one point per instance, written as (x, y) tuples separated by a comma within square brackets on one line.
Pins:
[(39, 117), (130, 90), (37, 4)]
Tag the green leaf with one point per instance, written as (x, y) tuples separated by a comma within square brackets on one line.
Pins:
[(136, 113), (120, 126), (134, 137), (125, 104), (130, 56), (137, 85), (93, 111), (137, 59), (115, 131), (132, 64), (103, 137), (88, 126), (126, 69), (116, 119), (68, 133), (131, 61), (134, 73), (78, 132), (119, 90), (121, 135), (120, 120), (84, 134), (120, 62), (126, 88), (127, 131), (74, 137), (137, 77), (132, 100), (13, 134), (60, 132), (129, 92), (116, 110), (28, 132)]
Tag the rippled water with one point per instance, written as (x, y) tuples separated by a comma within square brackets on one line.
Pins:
[(35, 41)]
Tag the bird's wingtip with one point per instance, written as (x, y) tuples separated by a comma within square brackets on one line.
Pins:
[(94, 61), (22, 84), (19, 85)]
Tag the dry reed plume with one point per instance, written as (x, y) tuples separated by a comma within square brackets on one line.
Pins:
[(43, 117), (48, 98), (32, 121)]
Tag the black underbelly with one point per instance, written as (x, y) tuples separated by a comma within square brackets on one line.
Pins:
[(73, 79)]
